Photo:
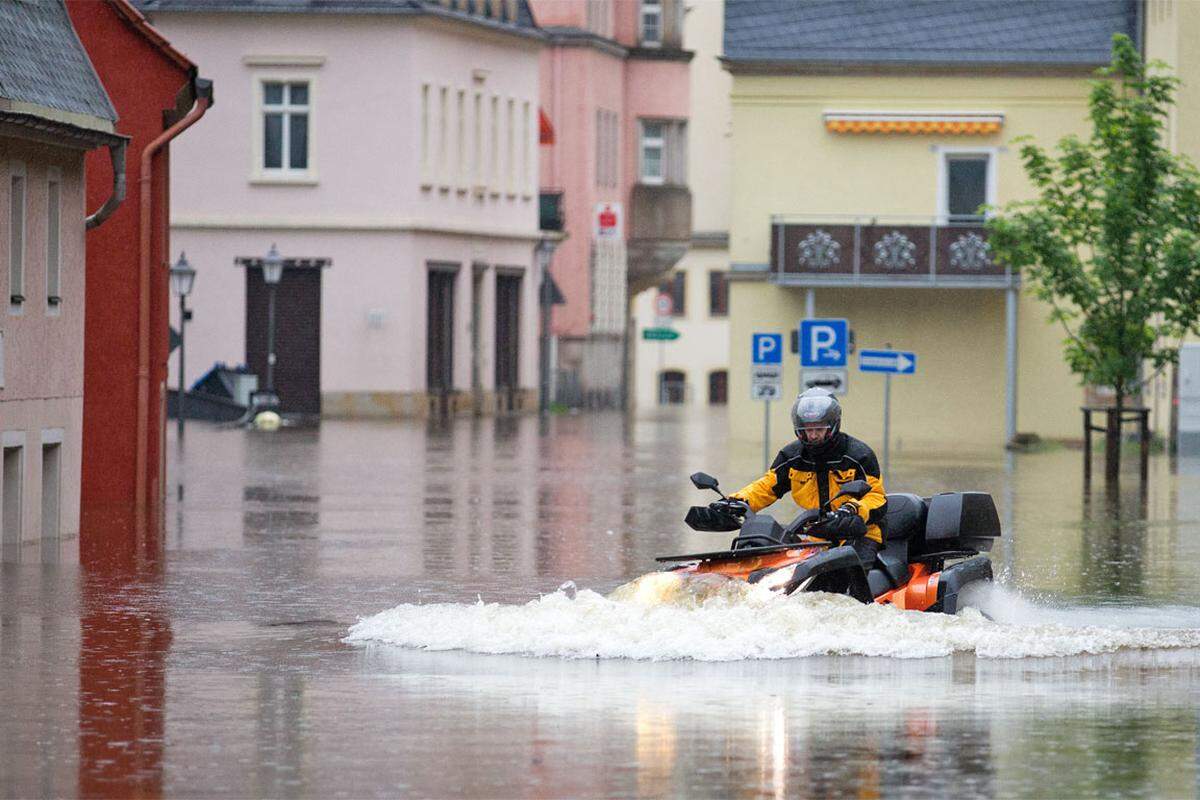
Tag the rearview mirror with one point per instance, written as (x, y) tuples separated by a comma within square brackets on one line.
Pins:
[(855, 489), (702, 480)]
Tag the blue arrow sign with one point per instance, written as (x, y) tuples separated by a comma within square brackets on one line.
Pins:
[(896, 361), (824, 342), (766, 348)]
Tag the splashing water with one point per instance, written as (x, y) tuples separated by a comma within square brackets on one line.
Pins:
[(667, 616)]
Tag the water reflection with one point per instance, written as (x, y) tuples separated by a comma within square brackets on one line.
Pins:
[(216, 667), (124, 641)]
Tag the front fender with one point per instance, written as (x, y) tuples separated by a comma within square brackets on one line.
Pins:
[(833, 560)]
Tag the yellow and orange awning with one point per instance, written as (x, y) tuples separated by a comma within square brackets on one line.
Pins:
[(956, 124)]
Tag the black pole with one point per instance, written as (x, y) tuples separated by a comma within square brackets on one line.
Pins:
[(180, 409), (271, 339), (544, 297)]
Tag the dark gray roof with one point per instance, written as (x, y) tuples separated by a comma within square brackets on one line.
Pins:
[(42, 62), (471, 10), (953, 32)]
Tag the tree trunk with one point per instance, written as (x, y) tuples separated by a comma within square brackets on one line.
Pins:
[(1112, 441)]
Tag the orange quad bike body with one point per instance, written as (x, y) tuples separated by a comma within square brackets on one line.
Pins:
[(918, 594)]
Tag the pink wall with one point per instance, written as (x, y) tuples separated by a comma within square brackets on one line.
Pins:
[(370, 207), (43, 344), (575, 82)]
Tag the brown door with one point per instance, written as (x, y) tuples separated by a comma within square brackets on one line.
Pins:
[(439, 361), (297, 336), (508, 336)]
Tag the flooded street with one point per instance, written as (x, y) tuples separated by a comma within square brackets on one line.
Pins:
[(230, 668)]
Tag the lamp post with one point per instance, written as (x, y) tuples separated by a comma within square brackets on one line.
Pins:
[(182, 278), (272, 267), (544, 251)]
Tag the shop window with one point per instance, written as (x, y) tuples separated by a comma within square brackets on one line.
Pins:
[(676, 287), (10, 517), (672, 385), (718, 294), (718, 387), (51, 489)]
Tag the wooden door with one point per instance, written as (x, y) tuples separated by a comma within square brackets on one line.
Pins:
[(297, 336)]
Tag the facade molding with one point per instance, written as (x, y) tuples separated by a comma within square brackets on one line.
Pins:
[(908, 68), (283, 61), (578, 37), (662, 54), (326, 224)]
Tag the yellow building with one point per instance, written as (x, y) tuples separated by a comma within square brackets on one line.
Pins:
[(865, 137)]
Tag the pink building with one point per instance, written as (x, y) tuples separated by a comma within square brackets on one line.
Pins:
[(389, 152), (53, 110), (614, 83)]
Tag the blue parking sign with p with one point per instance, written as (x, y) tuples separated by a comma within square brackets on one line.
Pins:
[(824, 342), (766, 348)]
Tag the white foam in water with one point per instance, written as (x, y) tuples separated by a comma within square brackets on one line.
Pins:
[(666, 616)]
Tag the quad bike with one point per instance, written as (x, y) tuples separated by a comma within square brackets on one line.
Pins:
[(931, 550)]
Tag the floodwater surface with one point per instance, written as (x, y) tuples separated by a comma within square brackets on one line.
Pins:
[(366, 609)]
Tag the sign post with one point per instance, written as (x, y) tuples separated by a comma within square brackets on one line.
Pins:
[(766, 380), (890, 362)]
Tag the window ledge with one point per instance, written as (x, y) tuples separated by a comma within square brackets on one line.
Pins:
[(284, 179)]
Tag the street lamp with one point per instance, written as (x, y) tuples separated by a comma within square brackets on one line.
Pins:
[(272, 268), (544, 251), (182, 278)]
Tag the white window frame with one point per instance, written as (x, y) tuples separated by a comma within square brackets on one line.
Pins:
[(654, 8), (259, 173), (462, 169), (16, 254), (944, 155), (478, 166), (645, 141), (443, 139), (494, 146), (528, 132), (53, 243)]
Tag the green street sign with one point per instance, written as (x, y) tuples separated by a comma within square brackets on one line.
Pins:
[(660, 334)]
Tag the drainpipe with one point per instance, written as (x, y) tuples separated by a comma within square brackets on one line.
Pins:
[(203, 90), (116, 154)]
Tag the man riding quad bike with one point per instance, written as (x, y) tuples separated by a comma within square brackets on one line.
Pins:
[(813, 468), (903, 550)]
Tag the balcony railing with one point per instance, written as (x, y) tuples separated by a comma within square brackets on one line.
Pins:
[(884, 251)]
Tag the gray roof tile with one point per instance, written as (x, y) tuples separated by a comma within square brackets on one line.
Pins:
[(42, 61), (1069, 32), (469, 9)]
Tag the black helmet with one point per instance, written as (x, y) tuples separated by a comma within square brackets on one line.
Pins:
[(816, 418)]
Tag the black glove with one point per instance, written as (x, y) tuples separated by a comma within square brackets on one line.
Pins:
[(840, 525), (716, 517), (737, 508)]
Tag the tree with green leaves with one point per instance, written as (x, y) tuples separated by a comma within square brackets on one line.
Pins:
[(1112, 240)]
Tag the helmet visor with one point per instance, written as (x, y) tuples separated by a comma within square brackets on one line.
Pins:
[(813, 432)]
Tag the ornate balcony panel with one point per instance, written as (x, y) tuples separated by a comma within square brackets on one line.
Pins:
[(883, 251)]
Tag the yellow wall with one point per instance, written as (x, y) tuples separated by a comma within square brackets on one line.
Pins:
[(786, 163), (1172, 34)]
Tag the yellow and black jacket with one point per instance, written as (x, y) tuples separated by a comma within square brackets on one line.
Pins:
[(812, 480)]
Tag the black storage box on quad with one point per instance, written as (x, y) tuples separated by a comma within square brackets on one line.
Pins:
[(961, 521)]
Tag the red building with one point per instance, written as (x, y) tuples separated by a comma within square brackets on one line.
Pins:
[(157, 95)]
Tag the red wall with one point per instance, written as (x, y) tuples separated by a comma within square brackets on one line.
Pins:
[(142, 81)]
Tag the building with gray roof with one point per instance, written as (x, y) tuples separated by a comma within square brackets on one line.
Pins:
[(961, 34), (47, 83)]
